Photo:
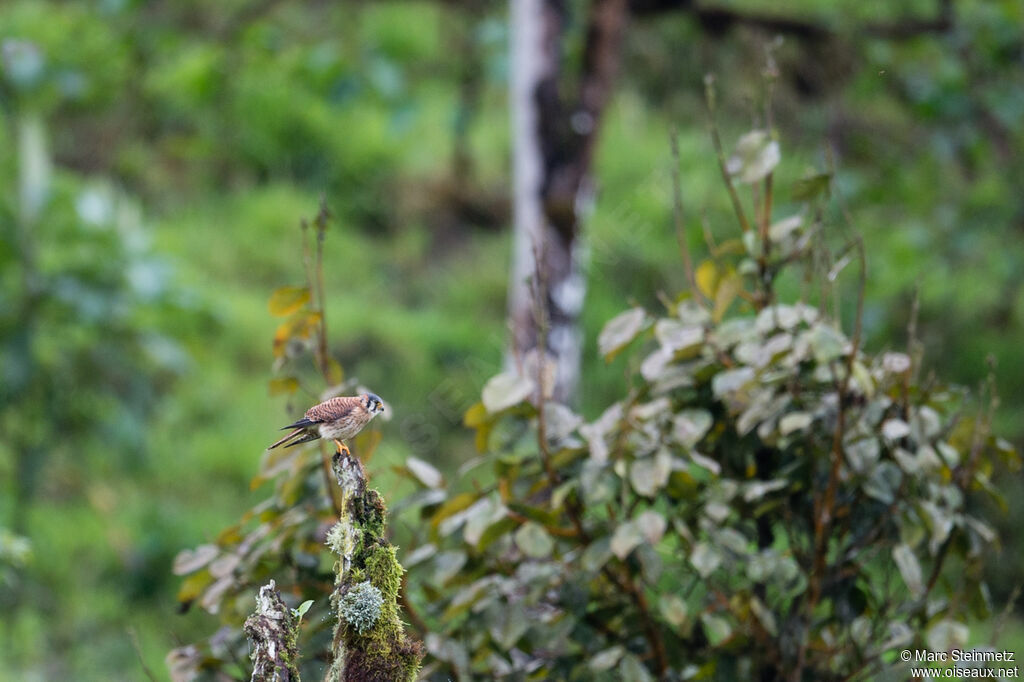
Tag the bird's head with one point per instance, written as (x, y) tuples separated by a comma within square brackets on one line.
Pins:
[(373, 403)]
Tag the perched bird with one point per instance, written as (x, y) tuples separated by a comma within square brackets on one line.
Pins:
[(339, 419)]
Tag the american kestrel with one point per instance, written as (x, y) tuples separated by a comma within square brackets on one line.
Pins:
[(339, 419)]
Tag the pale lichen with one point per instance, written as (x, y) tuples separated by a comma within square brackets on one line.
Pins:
[(361, 606)]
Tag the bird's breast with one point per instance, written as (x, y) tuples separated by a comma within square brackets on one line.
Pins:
[(343, 428)]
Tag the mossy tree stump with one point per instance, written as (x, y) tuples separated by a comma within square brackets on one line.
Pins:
[(370, 643)]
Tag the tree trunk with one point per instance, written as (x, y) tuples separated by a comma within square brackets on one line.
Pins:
[(553, 143)]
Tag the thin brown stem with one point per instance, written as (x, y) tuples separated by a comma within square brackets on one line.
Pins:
[(539, 291), (716, 141), (322, 218)]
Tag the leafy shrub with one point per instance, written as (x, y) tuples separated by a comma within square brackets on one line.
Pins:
[(767, 502)]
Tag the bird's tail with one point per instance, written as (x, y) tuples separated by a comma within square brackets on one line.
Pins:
[(293, 439)]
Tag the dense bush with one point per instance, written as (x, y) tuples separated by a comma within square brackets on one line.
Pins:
[(764, 498)]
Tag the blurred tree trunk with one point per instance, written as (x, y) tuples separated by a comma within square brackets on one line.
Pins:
[(553, 145)]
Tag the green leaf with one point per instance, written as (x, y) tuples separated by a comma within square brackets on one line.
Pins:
[(650, 410), (783, 228), (755, 156), (596, 431), (538, 514), (690, 425), (620, 331), (193, 586), (560, 422), (596, 555), (507, 624), (506, 390), (707, 276), (632, 670), (862, 454), (534, 541), (598, 485), (605, 660), (807, 188), (764, 615), (335, 372), (425, 473), (947, 635), (758, 489), (678, 338), (733, 540), (559, 494), (827, 343), (652, 525), (895, 429), (287, 300), (452, 507), (283, 385), (794, 421), (716, 628), (447, 565), (491, 533), (475, 416), (731, 380), (482, 516), (191, 560), (674, 610), (729, 287), (896, 363), (648, 475), (625, 539), (885, 480), (303, 607), (705, 559), (909, 568)]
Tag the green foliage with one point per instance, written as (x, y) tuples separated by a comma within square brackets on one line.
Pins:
[(15, 555)]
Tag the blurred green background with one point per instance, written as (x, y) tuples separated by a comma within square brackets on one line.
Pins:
[(156, 159)]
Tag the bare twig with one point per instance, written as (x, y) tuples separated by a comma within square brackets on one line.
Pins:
[(133, 637), (1004, 615), (677, 213), (322, 218), (538, 285), (716, 141)]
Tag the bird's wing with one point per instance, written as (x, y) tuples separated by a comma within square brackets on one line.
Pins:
[(332, 410)]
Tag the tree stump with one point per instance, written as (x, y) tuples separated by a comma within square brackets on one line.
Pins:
[(370, 643)]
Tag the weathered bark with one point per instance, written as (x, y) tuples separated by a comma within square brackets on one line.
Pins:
[(272, 630), (553, 144), (370, 643)]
